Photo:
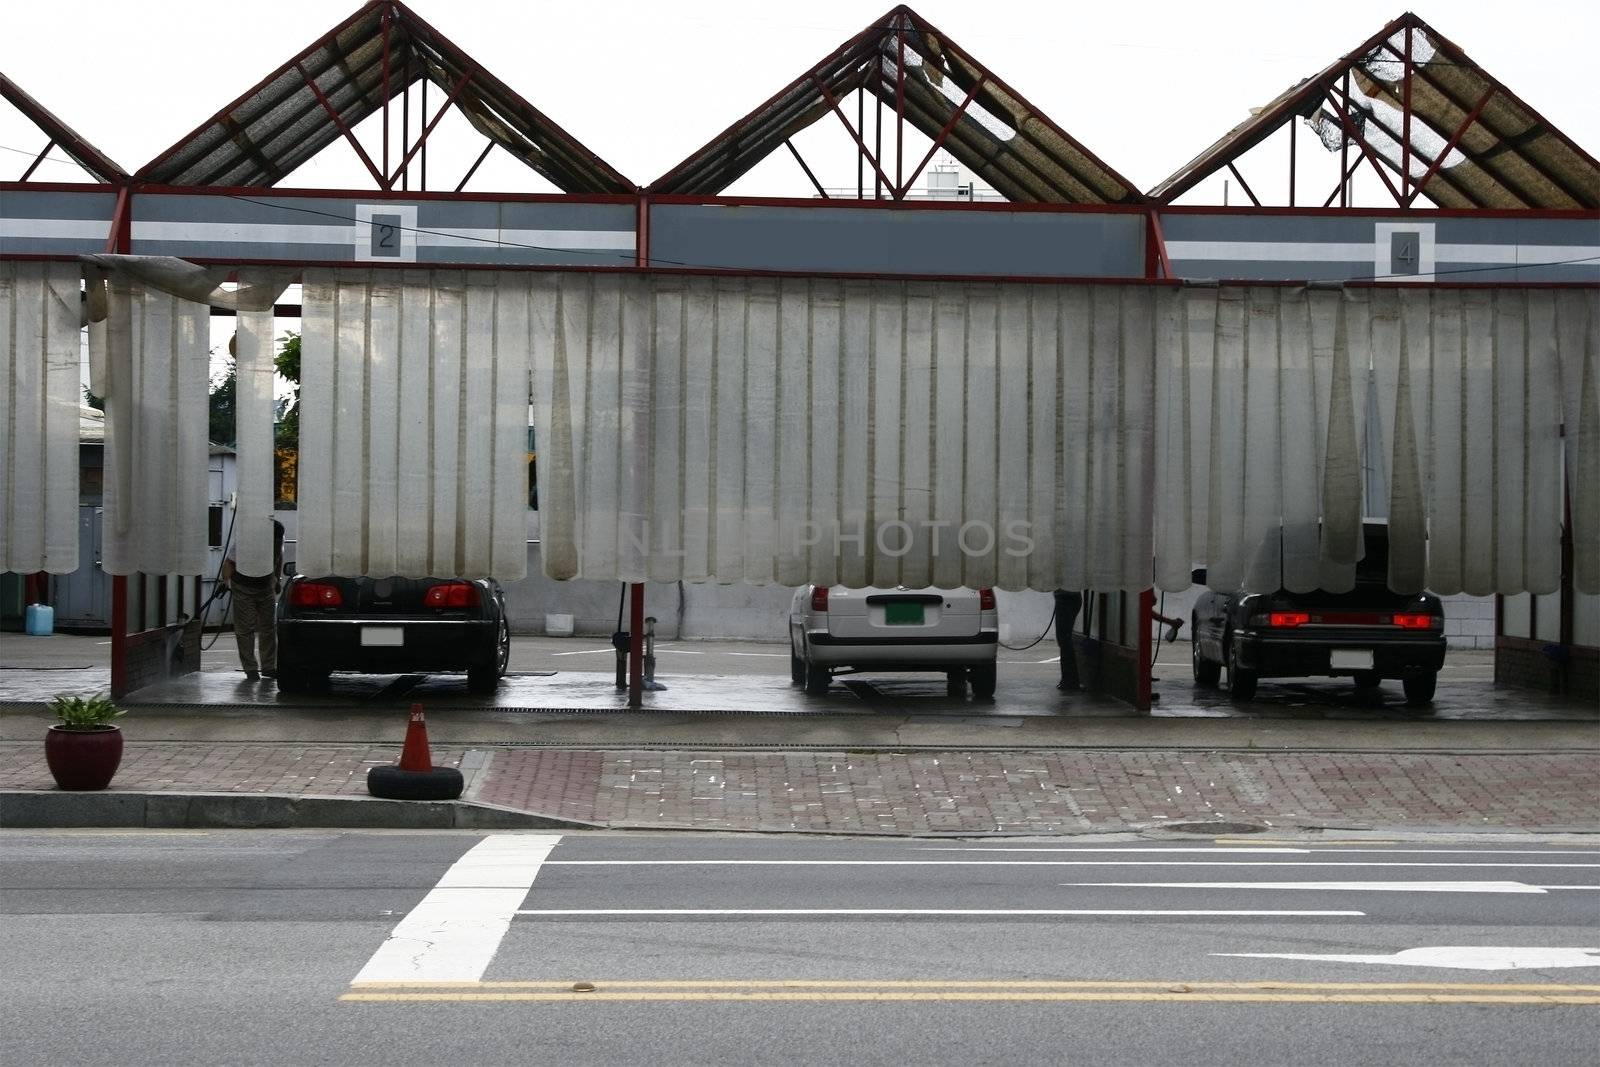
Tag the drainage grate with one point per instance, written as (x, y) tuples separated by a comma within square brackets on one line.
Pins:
[(1215, 828)]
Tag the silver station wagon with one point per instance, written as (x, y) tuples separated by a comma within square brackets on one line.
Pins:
[(834, 630)]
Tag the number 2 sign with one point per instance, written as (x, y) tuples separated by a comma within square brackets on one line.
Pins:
[(385, 233)]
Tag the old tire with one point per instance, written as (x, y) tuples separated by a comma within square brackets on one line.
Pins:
[(1419, 688), (1206, 673), (392, 783), (983, 681), (797, 667), (482, 679), (955, 682), (817, 679), (1241, 681), (1367, 679)]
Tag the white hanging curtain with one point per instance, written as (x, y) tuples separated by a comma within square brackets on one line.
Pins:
[(869, 433), (414, 423), (150, 361), (40, 322), (1469, 400), (254, 375), (1259, 474), (1577, 332)]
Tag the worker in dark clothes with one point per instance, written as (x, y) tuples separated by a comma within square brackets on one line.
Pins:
[(1068, 604)]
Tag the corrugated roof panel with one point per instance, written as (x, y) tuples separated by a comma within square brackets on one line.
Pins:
[(282, 123)]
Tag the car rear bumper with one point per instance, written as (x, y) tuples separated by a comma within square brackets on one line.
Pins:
[(426, 645), (1308, 654), (902, 653)]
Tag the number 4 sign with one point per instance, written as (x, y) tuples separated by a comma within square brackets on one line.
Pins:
[(1403, 252), (385, 233)]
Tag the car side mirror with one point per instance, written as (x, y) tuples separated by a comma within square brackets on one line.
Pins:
[(288, 570), (1198, 576)]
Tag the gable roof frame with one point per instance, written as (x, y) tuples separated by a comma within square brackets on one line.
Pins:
[(912, 68), (352, 72), (94, 162), (1510, 156)]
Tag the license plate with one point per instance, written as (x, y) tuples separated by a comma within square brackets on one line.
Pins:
[(902, 614), (1350, 659), (383, 636)]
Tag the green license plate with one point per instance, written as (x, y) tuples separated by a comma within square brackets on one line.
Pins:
[(902, 614)]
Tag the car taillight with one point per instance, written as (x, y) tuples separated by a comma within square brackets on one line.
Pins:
[(1414, 621), (1288, 618), (315, 595), (819, 598), (986, 600), (452, 595)]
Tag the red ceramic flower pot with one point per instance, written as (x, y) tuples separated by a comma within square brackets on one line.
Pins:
[(83, 759)]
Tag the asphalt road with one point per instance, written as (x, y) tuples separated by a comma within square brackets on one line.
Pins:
[(402, 948)]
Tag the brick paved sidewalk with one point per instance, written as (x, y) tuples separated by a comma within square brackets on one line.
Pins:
[(1047, 792)]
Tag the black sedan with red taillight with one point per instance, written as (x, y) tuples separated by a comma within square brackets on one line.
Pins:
[(391, 626), (1369, 633)]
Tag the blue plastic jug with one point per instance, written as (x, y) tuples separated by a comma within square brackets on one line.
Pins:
[(40, 620)]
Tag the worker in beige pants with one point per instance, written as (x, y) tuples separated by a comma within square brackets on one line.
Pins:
[(255, 599)]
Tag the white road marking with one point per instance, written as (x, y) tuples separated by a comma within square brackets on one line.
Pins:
[(1280, 850), (1461, 957), (1052, 659), (679, 652), (584, 652), (925, 911), (1041, 863), (1270, 850), (453, 934), (1376, 887), (760, 655)]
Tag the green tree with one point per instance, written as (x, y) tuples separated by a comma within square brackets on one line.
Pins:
[(224, 404), (287, 362)]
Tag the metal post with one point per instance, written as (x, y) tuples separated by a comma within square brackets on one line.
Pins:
[(636, 646), (650, 682), (1344, 153), (1405, 127)]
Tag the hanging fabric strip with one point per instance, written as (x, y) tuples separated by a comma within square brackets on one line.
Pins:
[(414, 423), (797, 430), (255, 373), (1578, 349), (157, 367), (39, 420)]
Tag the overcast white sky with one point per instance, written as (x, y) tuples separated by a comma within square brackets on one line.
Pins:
[(1145, 86)]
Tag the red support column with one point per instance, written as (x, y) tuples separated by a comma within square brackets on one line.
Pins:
[(636, 590), (120, 239)]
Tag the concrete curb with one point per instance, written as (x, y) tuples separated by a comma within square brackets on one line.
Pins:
[(28, 809)]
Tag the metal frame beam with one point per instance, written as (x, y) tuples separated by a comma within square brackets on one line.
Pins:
[(333, 113)]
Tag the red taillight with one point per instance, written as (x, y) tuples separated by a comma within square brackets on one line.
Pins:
[(315, 595), (452, 595), (819, 598), (986, 600), (1288, 618), (1414, 621)]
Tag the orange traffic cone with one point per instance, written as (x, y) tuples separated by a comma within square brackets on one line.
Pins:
[(415, 755)]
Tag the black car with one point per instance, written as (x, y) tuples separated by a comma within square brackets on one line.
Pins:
[(1369, 633), (391, 626)]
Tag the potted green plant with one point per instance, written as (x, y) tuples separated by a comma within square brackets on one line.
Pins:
[(85, 747)]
